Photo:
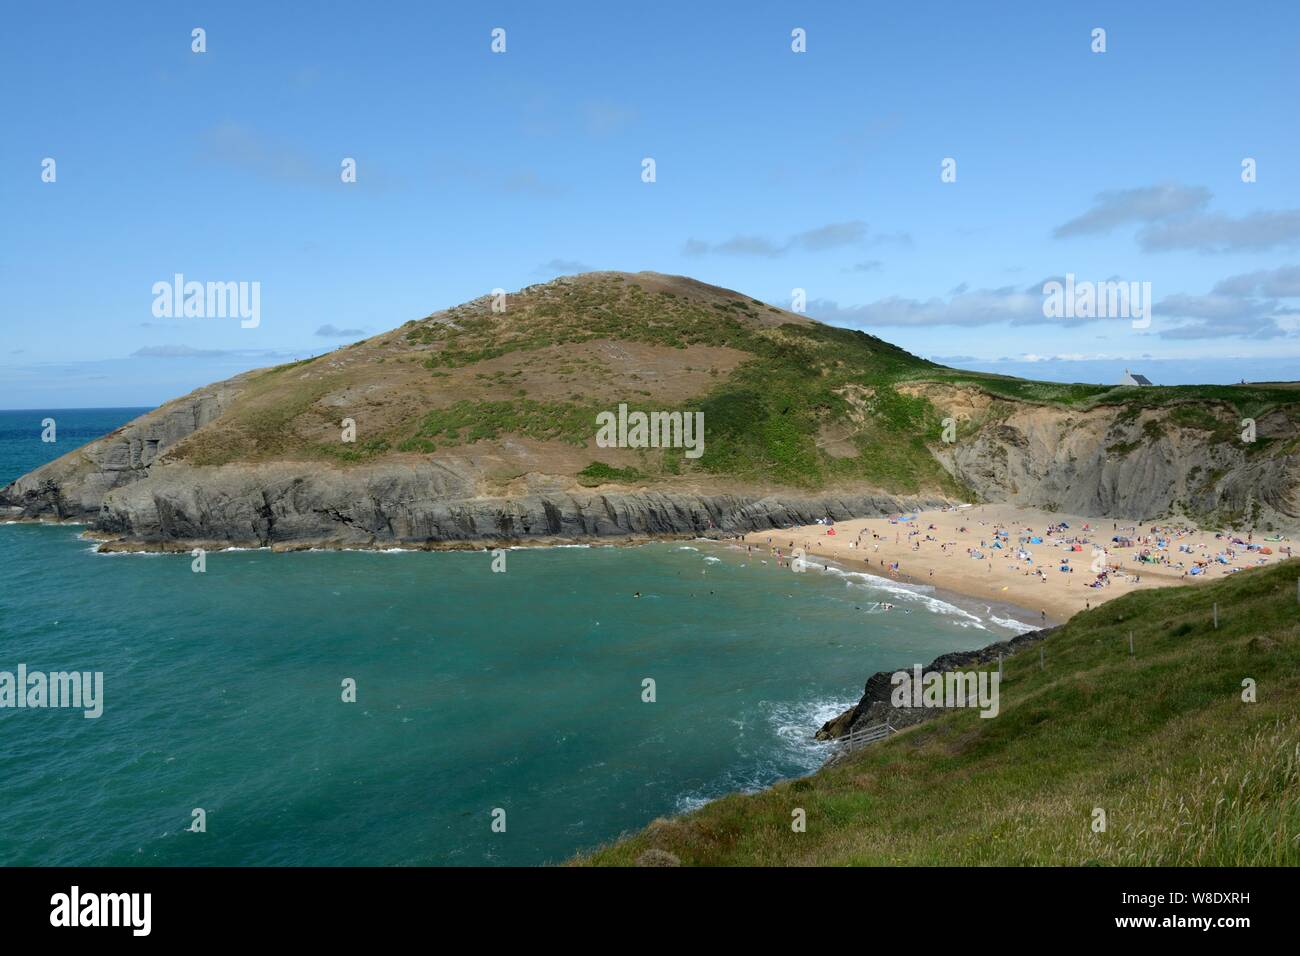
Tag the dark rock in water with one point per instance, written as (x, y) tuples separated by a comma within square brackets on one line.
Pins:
[(875, 706)]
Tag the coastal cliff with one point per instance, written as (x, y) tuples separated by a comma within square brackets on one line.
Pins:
[(477, 426), (75, 486), (132, 495), (1146, 456)]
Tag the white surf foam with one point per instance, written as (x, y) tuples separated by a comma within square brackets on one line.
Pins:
[(1012, 624), (783, 748), (911, 593)]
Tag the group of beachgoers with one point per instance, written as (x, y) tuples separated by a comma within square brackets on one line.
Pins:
[(1153, 548), (1065, 553)]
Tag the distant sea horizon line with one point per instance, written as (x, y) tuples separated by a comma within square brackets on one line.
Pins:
[(82, 408)]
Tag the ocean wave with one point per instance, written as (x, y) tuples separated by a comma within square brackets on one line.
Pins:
[(912, 593), (135, 554), (795, 722), (688, 803), (786, 748), (544, 547), (1012, 624)]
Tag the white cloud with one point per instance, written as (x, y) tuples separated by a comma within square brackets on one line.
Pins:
[(834, 235), (1253, 232), (1145, 204), (334, 332)]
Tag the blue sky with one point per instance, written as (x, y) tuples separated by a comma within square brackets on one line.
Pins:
[(775, 171)]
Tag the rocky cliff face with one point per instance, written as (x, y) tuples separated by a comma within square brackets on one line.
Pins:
[(75, 486), (124, 487), (423, 504), (1123, 461), (1104, 461)]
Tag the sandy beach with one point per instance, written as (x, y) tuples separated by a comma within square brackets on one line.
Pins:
[(1051, 565)]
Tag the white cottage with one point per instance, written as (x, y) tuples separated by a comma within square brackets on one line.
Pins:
[(1132, 379)]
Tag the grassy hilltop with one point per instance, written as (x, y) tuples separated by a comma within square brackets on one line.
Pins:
[(1186, 772), (769, 383)]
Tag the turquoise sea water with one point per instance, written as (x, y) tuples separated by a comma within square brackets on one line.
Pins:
[(476, 690)]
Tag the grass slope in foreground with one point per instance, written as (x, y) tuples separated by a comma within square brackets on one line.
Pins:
[(1186, 772)]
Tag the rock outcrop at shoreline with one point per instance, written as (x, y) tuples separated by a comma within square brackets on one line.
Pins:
[(75, 486), (412, 506), (124, 487), (875, 707)]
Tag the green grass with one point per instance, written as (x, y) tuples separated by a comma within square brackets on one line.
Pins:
[(580, 313), (598, 472), (1024, 390), (1247, 401), (466, 422), (761, 422), (1186, 772), (265, 428), (352, 452)]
